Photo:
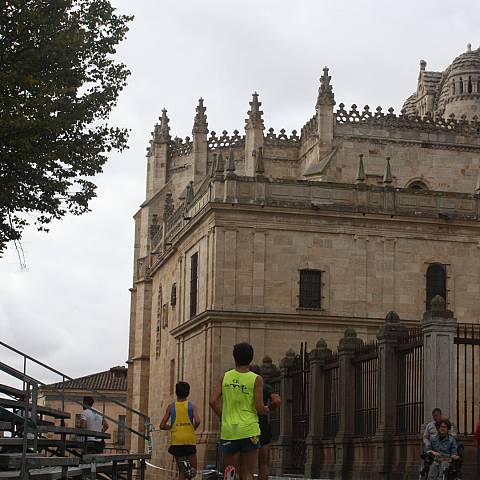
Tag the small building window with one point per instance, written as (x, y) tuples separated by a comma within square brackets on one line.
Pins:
[(173, 295), (436, 283), (193, 284), (310, 289)]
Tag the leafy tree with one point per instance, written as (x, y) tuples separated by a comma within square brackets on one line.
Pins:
[(58, 84)]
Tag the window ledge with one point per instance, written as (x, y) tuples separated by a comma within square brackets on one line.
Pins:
[(306, 309)]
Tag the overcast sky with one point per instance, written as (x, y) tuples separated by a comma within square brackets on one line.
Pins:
[(71, 307)]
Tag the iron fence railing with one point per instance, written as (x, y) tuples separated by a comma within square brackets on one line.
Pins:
[(366, 390), (467, 341), (410, 398)]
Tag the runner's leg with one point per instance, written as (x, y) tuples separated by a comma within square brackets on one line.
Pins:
[(249, 462), (233, 459), (193, 461), (264, 462), (178, 461)]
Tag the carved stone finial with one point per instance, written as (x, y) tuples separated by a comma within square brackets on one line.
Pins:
[(288, 360), (168, 208), (188, 194), (255, 120), (387, 176), (361, 170), (423, 65), (350, 340), (469, 47), (200, 124), (268, 369), (350, 332), (392, 317), (231, 163), (162, 130), (438, 304), (220, 167), (259, 163), (325, 92), (437, 309), (321, 344)]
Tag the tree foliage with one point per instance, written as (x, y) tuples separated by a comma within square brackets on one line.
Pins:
[(58, 84)]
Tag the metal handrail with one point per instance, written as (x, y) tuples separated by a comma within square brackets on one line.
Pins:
[(28, 380), (63, 375)]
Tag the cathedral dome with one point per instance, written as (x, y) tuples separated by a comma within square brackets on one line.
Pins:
[(459, 91)]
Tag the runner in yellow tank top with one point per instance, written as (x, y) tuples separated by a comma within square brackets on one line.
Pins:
[(184, 420), (241, 392)]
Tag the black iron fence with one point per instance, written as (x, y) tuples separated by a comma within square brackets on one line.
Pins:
[(366, 390), (275, 413), (300, 375), (410, 382), (467, 343), (331, 397)]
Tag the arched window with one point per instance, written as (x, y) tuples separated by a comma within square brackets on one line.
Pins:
[(461, 85), (469, 84), (417, 185), (453, 87), (436, 282)]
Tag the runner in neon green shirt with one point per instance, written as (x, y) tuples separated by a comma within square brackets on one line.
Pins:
[(241, 392)]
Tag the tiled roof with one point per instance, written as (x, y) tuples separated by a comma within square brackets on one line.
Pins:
[(113, 379)]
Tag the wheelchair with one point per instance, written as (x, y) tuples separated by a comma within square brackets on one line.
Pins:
[(450, 473)]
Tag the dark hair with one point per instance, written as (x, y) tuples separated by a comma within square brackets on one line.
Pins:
[(436, 410), (255, 369), (182, 389), (446, 423), (243, 354), (88, 401)]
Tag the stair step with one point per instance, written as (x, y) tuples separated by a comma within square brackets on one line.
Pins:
[(20, 405), (73, 431), (8, 416), (13, 392)]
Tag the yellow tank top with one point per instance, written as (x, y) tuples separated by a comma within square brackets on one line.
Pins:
[(181, 420), (239, 416)]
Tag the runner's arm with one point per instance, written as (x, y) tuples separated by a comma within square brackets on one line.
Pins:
[(258, 392), (275, 401), (215, 399), (163, 424), (196, 418)]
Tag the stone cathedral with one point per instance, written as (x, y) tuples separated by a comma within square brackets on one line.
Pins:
[(277, 239)]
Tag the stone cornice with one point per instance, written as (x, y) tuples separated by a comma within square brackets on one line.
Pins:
[(213, 318)]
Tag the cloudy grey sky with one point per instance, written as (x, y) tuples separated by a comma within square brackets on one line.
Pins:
[(71, 307)]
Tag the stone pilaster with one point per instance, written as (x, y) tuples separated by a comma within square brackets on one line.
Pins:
[(254, 140), (439, 368), (231, 180), (200, 143), (388, 338), (346, 350), (314, 459)]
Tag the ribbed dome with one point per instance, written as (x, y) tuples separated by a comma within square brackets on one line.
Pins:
[(459, 89)]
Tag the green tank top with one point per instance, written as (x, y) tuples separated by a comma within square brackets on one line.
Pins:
[(239, 416)]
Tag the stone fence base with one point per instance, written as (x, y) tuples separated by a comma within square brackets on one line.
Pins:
[(403, 458)]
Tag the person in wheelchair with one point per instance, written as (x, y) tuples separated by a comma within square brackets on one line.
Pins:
[(444, 451)]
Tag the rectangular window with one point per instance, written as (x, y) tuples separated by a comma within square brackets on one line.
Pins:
[(310, 289), (173, 295), (193, 284), (165, 315), (172, 376)]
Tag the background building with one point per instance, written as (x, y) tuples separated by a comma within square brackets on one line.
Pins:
[(274, 238), (110, 384)]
